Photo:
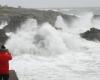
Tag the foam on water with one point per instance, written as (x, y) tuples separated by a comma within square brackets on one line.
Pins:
[(55, 49)]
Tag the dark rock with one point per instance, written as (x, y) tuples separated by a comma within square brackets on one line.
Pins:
[(92, 34), (14, 23)]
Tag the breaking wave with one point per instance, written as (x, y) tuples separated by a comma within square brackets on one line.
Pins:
[(60, 40)]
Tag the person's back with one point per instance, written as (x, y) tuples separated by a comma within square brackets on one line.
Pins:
[(5, 56)]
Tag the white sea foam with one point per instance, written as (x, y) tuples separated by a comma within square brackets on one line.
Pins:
[(44, 52)]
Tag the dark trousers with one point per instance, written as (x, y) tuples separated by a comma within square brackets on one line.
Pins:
[(4, 77)]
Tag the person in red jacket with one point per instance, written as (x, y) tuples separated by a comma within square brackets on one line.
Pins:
[(5, 56)]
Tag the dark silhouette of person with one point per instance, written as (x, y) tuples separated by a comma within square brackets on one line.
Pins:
[(5, 56)]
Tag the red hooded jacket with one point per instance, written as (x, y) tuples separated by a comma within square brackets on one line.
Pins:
[(5, 56)]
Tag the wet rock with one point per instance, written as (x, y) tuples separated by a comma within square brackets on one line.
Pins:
[(92, 34)]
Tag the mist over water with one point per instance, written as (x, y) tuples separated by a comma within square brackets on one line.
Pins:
[(60, 43)]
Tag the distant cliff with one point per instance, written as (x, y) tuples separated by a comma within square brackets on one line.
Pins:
[(16, 16)]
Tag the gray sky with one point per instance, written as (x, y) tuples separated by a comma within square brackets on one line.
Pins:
[(51, 3)]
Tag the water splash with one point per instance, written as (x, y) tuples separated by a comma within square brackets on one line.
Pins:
[(71, 50)]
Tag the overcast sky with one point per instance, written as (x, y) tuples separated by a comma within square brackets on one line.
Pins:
[(51, 3)]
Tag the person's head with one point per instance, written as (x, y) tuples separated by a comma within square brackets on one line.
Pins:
[(3, 47)]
